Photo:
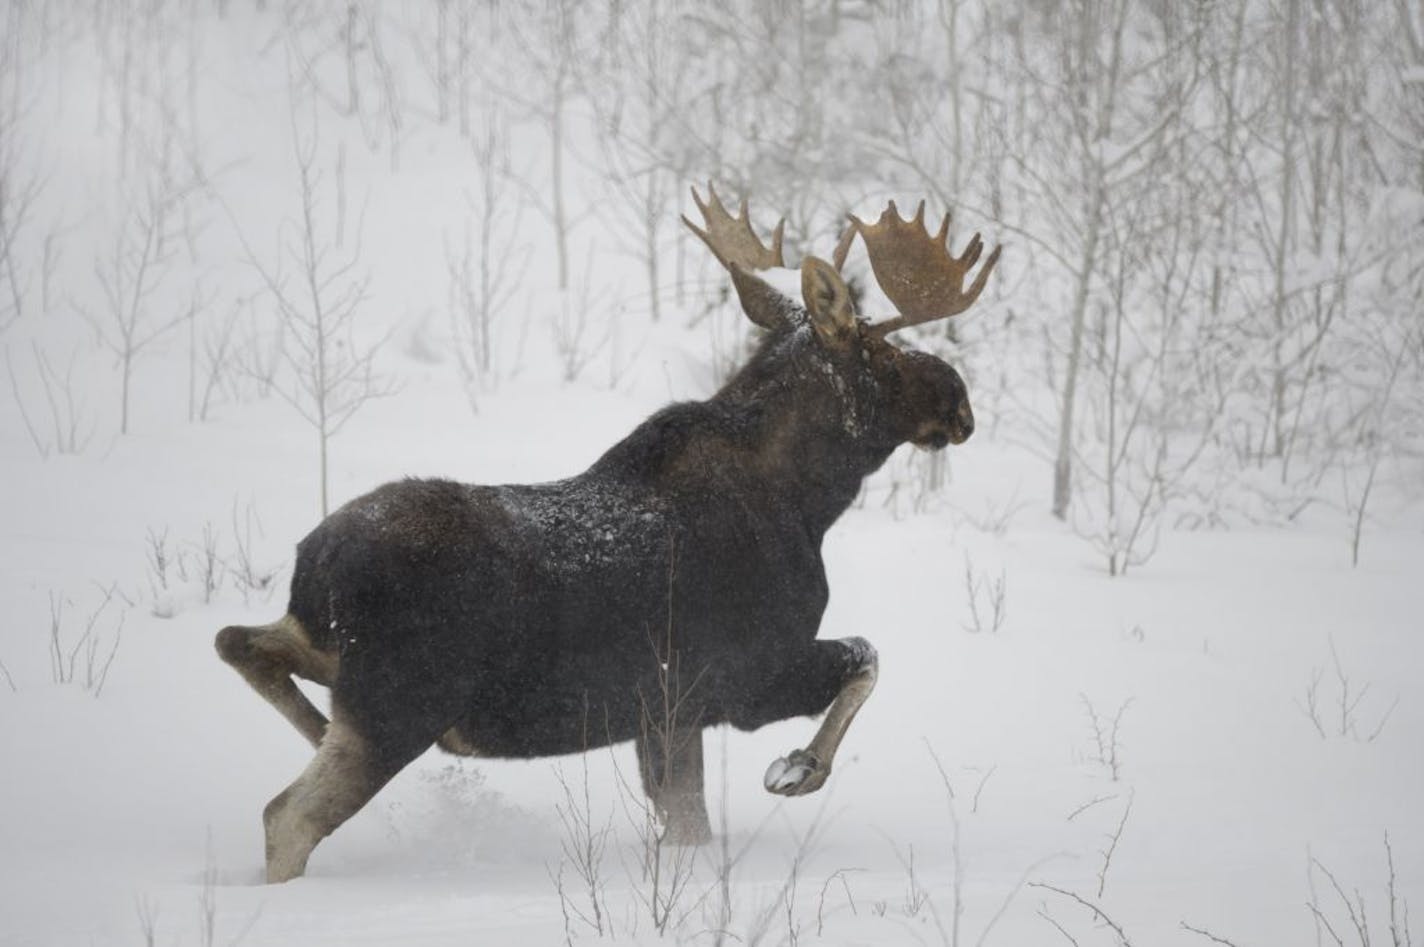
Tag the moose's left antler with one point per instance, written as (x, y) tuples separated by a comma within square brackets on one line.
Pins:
[(731, 239), (915, 270)]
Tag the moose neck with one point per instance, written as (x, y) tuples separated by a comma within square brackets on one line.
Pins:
[(826, 473), (802, 450), (782, 434)]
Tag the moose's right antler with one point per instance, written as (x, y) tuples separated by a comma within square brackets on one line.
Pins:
[(915, 270), (731, 239)]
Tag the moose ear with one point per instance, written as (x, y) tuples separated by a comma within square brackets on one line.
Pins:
[(762, 304), (827, 300)]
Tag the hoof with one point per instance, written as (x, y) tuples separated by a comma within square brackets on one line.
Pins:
[(795, 774)]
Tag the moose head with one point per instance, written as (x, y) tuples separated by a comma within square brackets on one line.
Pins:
[(880, 394)]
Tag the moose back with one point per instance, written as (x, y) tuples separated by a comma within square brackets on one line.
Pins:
[(676, 584)]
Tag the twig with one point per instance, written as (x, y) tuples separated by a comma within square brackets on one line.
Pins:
[(821, 901), (1112, 846), (785, 896), (1400, 938), (1054, 921), (1089, 804), (1311, 707), (1107, 743), (40, 445), (1101, 914), (1208, 935), (1322, 919), (147, 919), (96, 683), (208, 896), (1013, 893), (974, 806), (1383, 720), (915, 896), (958, 888), (558, 879), (1357, 920), (583, 842)]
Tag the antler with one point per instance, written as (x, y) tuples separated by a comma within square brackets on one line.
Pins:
[(915, 270), (731, 239)]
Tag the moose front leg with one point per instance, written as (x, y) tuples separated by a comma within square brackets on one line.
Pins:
[(840, 674), (671, 767)]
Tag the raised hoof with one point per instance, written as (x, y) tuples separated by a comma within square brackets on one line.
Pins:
[(795, 774)]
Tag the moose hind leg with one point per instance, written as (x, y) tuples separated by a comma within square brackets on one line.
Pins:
[(339, 780), (850, 665), (388, 708), (268, 656), (351, 765), (672, 777)]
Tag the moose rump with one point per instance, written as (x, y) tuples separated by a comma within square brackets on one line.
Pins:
[(507, 620)]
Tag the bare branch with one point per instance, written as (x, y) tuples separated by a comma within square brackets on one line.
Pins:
[(1097, 911)]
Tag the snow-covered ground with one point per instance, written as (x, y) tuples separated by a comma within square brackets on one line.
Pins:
[(137, 795), (1142, 744)]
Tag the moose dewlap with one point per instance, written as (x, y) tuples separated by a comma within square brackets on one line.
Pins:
[(677, 579)]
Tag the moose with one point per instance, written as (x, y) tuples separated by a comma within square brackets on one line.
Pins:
[(676, 584)]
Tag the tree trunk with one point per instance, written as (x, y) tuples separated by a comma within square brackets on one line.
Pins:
[(651, 247), (1063, 464), (353, 94), (323, 437), (124, 396), (561, 237), (1279, 314)]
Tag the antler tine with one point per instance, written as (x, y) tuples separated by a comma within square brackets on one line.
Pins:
[(842, 250), (731, 239), (970, 256), (916, 270), (943, 229), (982, 279)]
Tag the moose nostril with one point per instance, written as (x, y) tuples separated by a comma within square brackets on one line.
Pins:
[(966, 419)]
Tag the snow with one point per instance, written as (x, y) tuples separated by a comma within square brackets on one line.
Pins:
[(970, 791), (133, 795)]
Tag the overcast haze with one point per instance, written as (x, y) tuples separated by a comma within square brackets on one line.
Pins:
[(1150, 640)]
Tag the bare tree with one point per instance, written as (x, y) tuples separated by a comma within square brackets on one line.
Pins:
[(1151, 405), (352, 39), (390, 100), (318, 298), (19, 189), (1097, 132), (638, 104), (131, 273), (550, 38), (1381, 410), (487, 266), (69, 428), (219, 357), (579, 311)]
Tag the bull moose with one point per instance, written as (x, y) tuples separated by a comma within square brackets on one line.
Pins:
[(676, 584)]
